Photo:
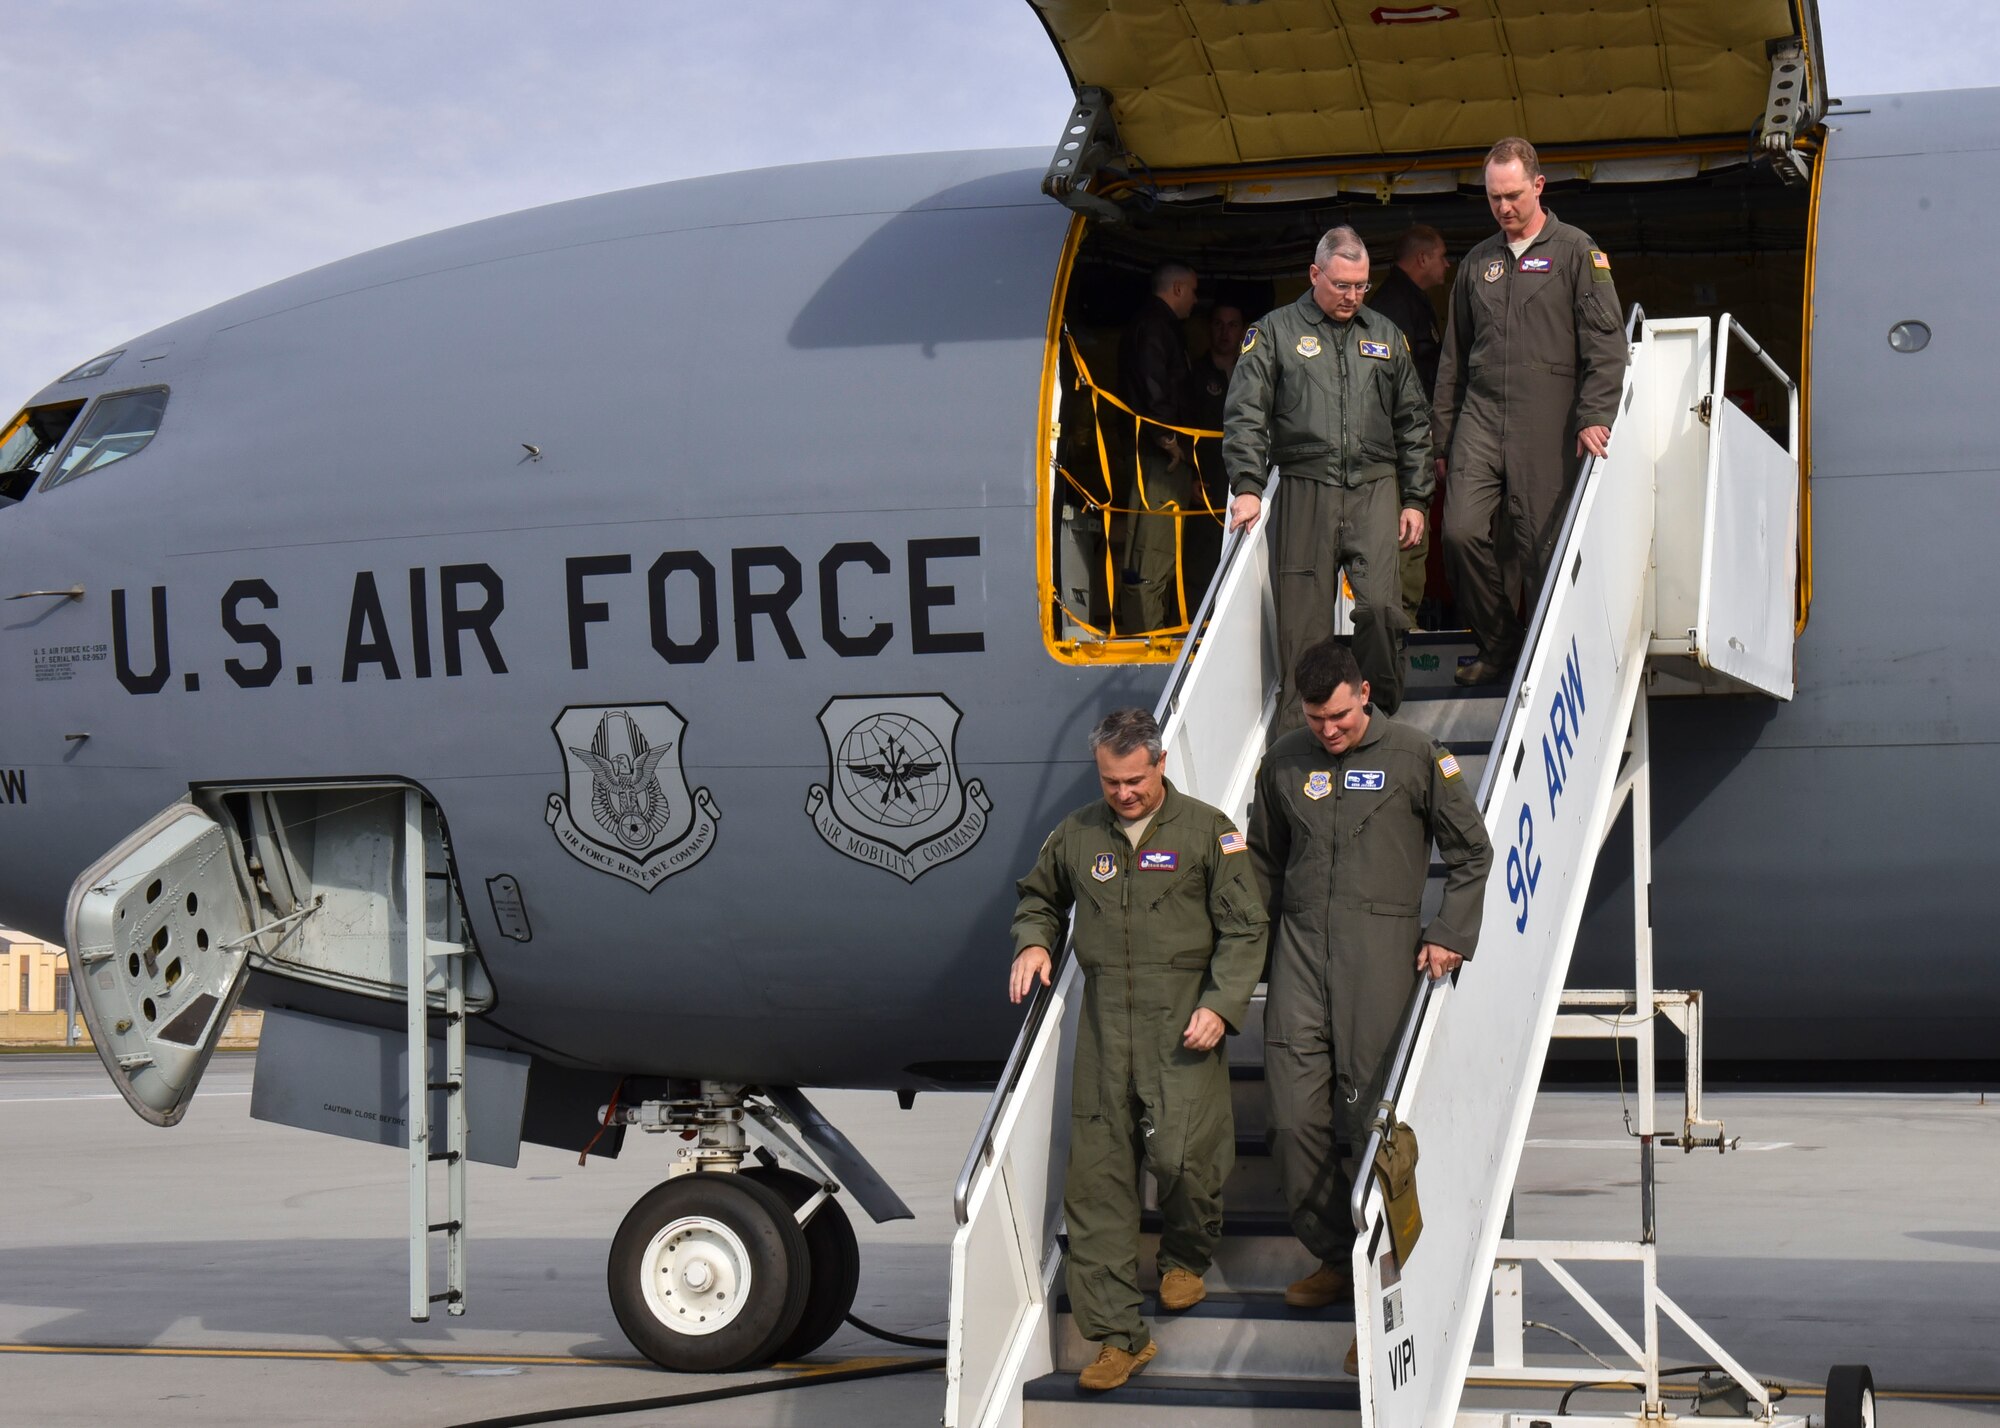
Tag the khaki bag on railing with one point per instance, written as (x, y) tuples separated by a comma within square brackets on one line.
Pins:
[(1396, 1170)]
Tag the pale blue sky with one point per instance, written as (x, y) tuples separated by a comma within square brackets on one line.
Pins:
[(157, 156)]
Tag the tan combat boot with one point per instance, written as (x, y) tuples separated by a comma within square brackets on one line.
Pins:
[(1181, 1289), (1324, 1286), (1114, 1366)]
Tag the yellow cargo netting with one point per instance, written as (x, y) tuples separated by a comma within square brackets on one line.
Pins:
[(1103, 504)]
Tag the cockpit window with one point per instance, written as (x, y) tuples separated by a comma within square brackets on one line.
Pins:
[(27, 443), (117, 427)]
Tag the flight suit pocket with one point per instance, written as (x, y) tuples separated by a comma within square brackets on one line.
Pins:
[(1391, 909), (1595, 312)]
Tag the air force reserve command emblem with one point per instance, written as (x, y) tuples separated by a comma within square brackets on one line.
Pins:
[(893, 798), (1494, 269), (626, 809)]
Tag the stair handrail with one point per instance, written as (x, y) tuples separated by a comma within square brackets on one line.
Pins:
[(1235, 542), (1418, 1006)]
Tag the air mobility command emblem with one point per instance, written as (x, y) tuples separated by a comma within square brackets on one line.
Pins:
[(1249, 340), (893, 798), (1319, 784), (1308, 346), (1104, 867), (1378, 350), (625, 808), (1494, 269)]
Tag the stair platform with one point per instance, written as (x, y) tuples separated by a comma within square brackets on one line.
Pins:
[(1164, 1400)]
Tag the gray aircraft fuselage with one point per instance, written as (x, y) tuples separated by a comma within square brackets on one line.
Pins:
[(784, 480)]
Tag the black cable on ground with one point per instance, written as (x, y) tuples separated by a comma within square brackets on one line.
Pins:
[(906, 1340), (705, 1395)]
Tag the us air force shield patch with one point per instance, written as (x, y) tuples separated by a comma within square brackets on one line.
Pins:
[(625, 808), (893, 798)]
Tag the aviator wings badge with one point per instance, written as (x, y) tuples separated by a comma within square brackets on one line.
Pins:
[(626, 809), (893, 798)]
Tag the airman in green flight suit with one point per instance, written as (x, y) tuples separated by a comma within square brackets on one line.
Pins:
[(1170, 935), (1346, 811)]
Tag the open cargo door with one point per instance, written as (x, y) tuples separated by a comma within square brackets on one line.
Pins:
[(1206, 85), (159, 937)]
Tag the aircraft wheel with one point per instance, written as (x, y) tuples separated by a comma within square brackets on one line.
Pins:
[(709, 1273), (1850, 1397), (836, 1260)]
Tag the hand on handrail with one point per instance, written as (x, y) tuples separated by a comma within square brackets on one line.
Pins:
[(1032, 963), (1431, 958)]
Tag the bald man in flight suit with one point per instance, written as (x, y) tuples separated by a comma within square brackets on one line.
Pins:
[(1528, 383)]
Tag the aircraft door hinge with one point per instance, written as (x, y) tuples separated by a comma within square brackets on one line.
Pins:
[(1784, 110), (1704, 409), (1089, 140)]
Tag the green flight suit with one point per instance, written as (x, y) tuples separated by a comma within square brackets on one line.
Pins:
[(1342, 845), (1534, 351), (1174, 924), (1338, 408)]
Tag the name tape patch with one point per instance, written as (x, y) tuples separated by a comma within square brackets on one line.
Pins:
[(1366, 778), (1534, 265), (1156, 861), (1378, 350)]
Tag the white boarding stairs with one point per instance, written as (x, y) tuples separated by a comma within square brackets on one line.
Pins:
[(1679, 546)]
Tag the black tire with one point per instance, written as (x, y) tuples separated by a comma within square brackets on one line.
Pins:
[(734, 1232), (1850, 1397), (836, 1260)]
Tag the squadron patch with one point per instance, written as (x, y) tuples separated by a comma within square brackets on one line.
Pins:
[(1157, 861), (1494, 269), (1448, 766), (1534, 265), (1365, 778), (893, 798), (625, 808), (1308, 346), (1249, 340), (1379, 350), (1233, 842), (1598, 260), (1104, 868), (1319, 784)]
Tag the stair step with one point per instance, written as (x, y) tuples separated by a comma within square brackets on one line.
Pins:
[(1459, 716), (1243, 1264), (1163, 1400), (1431, 660), (1230, 1335)]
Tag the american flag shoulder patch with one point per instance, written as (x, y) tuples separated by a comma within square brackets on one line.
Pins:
[(1232, 842), (1448, 766)]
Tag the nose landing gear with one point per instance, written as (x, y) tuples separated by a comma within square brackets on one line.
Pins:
[(728, 1265)]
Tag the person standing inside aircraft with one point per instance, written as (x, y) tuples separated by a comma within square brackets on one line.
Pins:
[(1326, 391), (1528, 382), (1152, 381), (1346, 811), (1170, 934), (1404, 298), (1208, 387)]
